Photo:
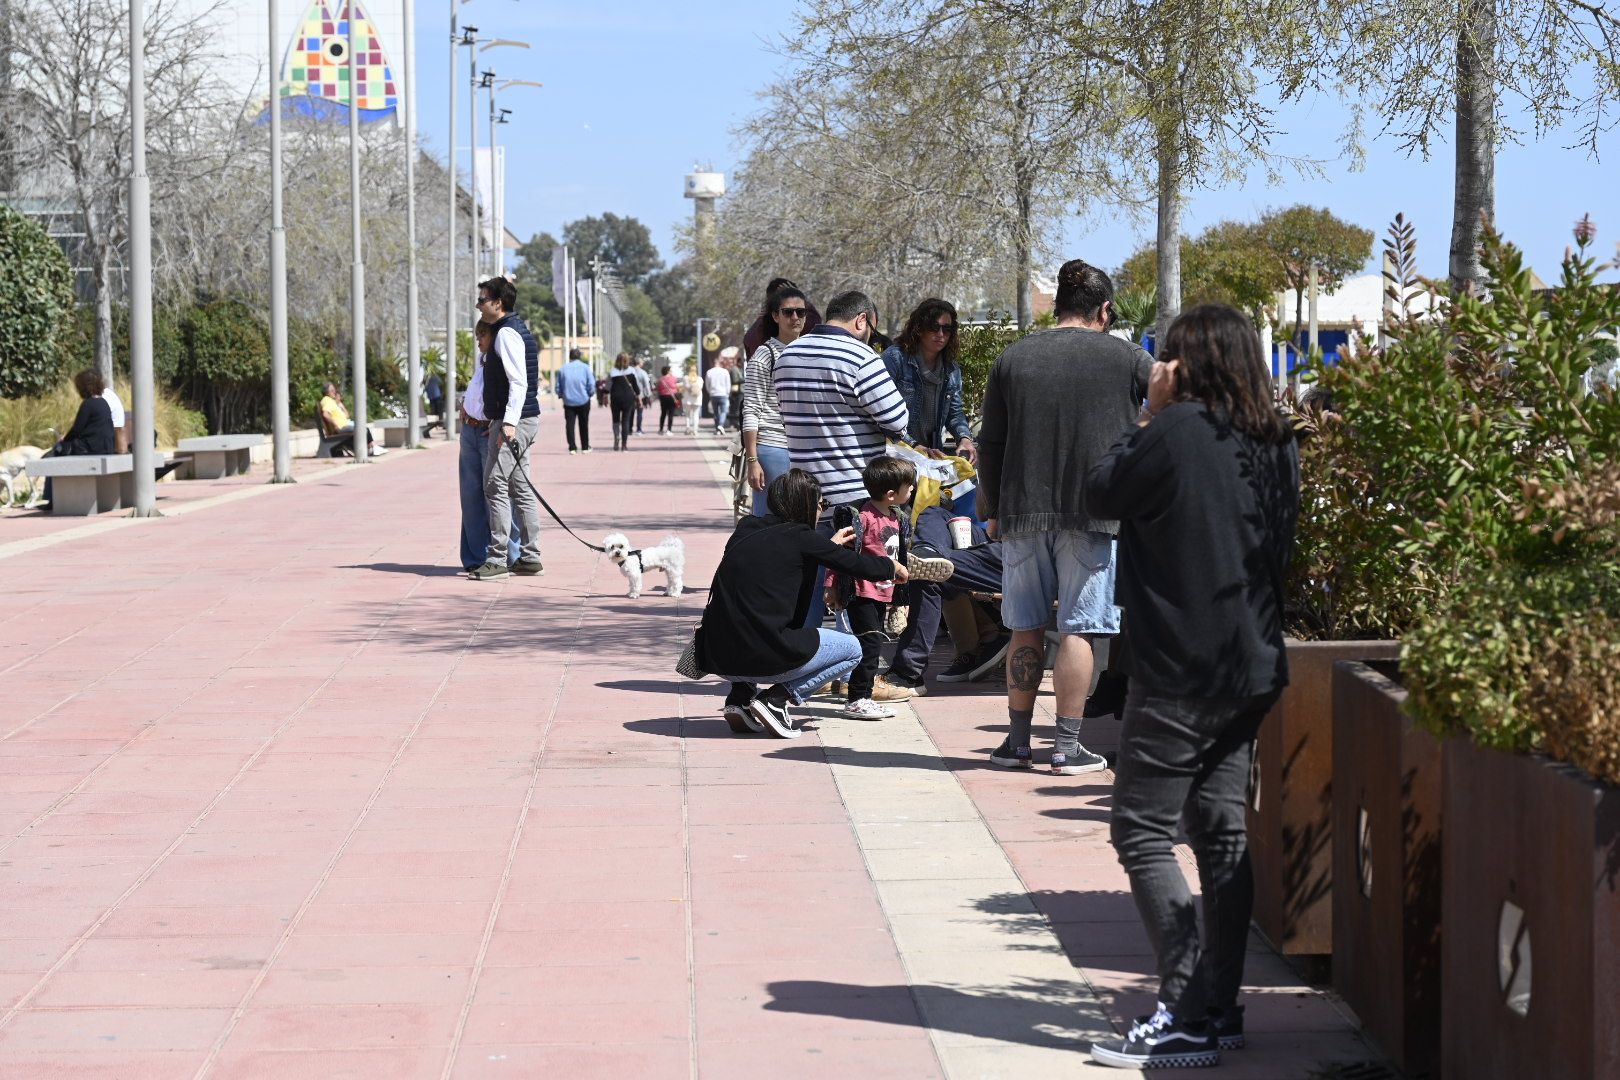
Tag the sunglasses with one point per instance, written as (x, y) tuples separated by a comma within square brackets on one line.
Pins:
[(792, 313), (482, 300), (941, 328)]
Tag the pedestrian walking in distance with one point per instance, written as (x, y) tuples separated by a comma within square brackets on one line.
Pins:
[(1205, 486), (574, 385), (624, 395)]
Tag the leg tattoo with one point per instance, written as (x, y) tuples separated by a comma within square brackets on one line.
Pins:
[(1025, 668)]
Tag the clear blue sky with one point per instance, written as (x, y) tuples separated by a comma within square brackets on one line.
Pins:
[(636, 92)]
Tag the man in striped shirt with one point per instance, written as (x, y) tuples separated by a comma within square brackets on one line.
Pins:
[(838, 403)]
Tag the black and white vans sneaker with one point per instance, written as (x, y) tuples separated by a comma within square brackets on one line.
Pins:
[(1227, 1024), (770, 709), (1160, 1042), (738, 717)]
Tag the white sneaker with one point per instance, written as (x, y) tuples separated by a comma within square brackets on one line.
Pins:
[(865, 709), (379, 451)]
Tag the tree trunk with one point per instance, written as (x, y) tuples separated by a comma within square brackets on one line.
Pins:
[(104, 317), (1023, 247), (1475, 197), (1168, 292)]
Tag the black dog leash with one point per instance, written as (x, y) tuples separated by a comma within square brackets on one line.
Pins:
[(523, 467)]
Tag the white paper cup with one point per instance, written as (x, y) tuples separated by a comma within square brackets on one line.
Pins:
[(961, 532)]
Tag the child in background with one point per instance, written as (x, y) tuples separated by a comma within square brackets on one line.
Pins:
[(879, 530)]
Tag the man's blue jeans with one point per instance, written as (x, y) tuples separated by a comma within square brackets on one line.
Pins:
[(835, 658), (474, 507), (720, 406)]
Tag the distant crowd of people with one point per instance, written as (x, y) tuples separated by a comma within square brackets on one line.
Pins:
[(1147, 503)]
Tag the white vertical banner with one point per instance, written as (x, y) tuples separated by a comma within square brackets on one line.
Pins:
[(583, 290)]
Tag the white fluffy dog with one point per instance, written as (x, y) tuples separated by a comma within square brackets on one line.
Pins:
[(669, 556), (14, 468)]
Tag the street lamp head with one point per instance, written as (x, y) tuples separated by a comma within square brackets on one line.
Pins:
[(496, 43), (519, 82), (502, 118), (486, 80)]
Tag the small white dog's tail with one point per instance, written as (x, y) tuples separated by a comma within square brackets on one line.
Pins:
[(672, 541)]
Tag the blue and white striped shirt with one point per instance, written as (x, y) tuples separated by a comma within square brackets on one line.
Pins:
[(839, 406)]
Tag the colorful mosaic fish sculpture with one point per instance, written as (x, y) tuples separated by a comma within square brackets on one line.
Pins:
[(315, 73)]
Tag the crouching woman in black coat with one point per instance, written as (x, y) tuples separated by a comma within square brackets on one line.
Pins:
[(753, 630)]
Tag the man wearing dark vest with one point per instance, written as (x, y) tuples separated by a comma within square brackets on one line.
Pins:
[(512, 407)]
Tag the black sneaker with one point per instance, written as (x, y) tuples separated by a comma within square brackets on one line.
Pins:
[(916, 684), (1009, 756), (736, 711), (1079, 761), (489, 571), (1227, 1024), (770, 708), (1160, 1042), (960, 670), (991, 657)]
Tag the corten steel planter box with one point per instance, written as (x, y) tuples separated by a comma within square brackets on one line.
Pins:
[(1386, 866), (1531, 907), (1291, 802)]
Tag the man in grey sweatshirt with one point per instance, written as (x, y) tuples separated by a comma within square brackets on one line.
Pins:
[(1054, 403)]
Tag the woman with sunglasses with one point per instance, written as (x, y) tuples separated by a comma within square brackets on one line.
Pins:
[(922, 363), (786, 316)]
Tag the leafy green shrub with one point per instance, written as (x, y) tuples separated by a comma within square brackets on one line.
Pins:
[(979, 345), (1487, 478), (36, 302), (224, 364)]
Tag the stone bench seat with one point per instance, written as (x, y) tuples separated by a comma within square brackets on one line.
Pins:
[(393, 430), (83, 485), (214, 456)]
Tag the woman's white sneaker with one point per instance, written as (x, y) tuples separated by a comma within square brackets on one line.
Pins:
[(865, 709)]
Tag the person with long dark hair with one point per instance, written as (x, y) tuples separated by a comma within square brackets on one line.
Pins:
[(1206, 489), (923, 364), (624, 395), (786, 315), (753, 628)]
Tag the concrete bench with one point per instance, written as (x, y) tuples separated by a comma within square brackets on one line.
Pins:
[(393, 431), (83, 485), (214, 456)]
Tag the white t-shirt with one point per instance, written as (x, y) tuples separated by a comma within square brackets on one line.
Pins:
[(110, 396), (717, 380)]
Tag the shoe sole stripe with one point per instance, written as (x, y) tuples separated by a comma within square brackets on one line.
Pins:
[(1201, 1059), (1232, 1042)]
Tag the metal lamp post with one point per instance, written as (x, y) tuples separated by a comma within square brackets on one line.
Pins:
[(413, 344), (357, 272), (140, 270), (497, 185), (280, 424), (450, 319)]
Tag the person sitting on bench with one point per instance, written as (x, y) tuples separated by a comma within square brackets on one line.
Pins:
[(335, 418), (92, 430)]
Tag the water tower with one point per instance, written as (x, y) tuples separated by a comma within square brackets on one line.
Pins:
[(703, 187)]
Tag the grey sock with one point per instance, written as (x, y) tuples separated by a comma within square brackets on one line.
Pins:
[(1019, 721), (1068, 735)]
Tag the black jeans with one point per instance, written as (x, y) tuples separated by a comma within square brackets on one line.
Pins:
[(624, 419), (866, 619), (1188, 759), (666, 413), (580, 415)]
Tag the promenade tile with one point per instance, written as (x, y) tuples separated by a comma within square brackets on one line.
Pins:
[(284, 795)]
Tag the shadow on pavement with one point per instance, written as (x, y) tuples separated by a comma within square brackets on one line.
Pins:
[(1031, 1013), (417, 569)]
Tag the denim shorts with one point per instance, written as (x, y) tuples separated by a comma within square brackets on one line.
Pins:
[(1075, 569)]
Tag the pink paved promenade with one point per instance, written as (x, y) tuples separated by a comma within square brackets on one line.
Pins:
[(284, 795)]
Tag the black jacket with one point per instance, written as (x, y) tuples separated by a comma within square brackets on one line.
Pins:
[(754, 624), (1207, 519), (92, 430)]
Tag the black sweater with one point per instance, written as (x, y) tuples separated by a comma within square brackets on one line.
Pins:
[(754, 624), (92, 430), (1207, 518)]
